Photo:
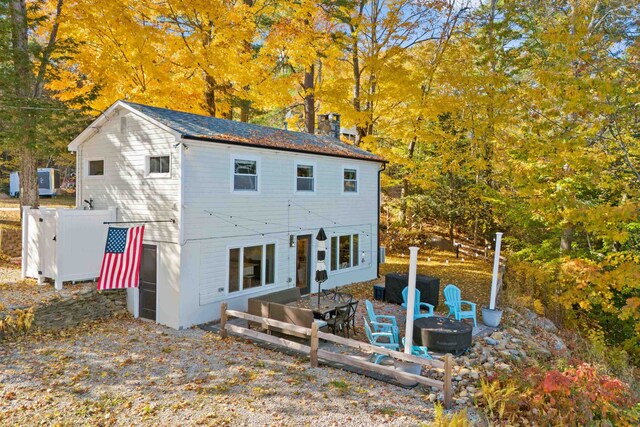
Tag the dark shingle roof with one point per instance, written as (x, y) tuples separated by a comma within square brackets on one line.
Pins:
[(195, 126)]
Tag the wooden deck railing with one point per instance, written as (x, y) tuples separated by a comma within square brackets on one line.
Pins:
[(315, 353)]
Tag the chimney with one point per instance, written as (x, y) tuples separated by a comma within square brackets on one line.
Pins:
[(329, 124)]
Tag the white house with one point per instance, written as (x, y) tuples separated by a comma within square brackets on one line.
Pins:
[(246, 203)]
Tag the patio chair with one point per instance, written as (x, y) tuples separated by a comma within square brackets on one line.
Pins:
[(351, 318), (340, 321), (329, 294), (376, 339), (381, 323), (454, 302), (343, 297), (417, 304), (418, 350)]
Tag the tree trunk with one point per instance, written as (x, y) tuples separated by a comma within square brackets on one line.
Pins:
[(404, 208), (357, 75), (23, 91), (309, 100), (29, 194), (244, 110), (451, 234), (566, 240), (210, 95), (405, 183)]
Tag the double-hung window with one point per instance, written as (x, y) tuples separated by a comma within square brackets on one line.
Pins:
[(251, 267), (350, 180), (245, 175), (305, 178), (159, 165), (344, 251)]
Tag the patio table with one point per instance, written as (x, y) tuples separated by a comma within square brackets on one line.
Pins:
[(326, 307)]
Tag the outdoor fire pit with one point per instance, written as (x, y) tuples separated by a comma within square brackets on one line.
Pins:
[(442, 334)]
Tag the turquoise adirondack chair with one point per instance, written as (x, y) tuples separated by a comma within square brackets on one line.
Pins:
[(375, 338), (417, 305), (381, 323), (454, 302), (418, 350)]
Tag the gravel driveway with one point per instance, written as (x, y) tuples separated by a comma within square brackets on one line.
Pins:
[(127, 372)]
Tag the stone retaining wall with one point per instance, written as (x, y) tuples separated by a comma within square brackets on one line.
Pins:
[(11, 241), (85, 306)]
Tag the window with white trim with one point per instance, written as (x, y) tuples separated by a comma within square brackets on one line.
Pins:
[(251, 267), (159, 164), (350, 180), (344, 251), (305, 178), (95, 168), (245, 175)]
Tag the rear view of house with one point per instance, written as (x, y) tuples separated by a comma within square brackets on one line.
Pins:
[(232, 209)]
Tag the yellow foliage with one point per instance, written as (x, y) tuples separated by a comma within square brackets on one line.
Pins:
[(497, 396), (538, 307), (455, 419), (16, 323)]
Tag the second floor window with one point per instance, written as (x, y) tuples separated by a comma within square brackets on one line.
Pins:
[(245, 175), (159, 164), (350, 181), (304, 178), (96, 167)]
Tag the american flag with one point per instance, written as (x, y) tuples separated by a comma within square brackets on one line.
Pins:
[(121, 262)]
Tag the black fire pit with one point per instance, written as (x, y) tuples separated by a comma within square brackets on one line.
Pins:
[(442, 334)]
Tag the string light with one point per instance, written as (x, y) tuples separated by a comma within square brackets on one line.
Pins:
[(327, 218), (288, 240)]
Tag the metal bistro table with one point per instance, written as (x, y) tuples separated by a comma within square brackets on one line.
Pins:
[(323, 311)]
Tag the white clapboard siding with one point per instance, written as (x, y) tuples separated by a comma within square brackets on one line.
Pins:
[(125, 186), (208, 187)]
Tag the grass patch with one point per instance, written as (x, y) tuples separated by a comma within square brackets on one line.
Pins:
[(387, 411), (341, 386)]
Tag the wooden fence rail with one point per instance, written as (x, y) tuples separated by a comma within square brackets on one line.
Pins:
[(315, 353)]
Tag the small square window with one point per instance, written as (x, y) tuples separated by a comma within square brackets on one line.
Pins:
[(159, 164), (304, 178), (245, 175), (96, 167), (350, 181)]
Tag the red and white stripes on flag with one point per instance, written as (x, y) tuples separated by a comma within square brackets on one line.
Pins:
[(121, 262)]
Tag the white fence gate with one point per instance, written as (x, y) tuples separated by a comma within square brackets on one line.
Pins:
[(63, 244)]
